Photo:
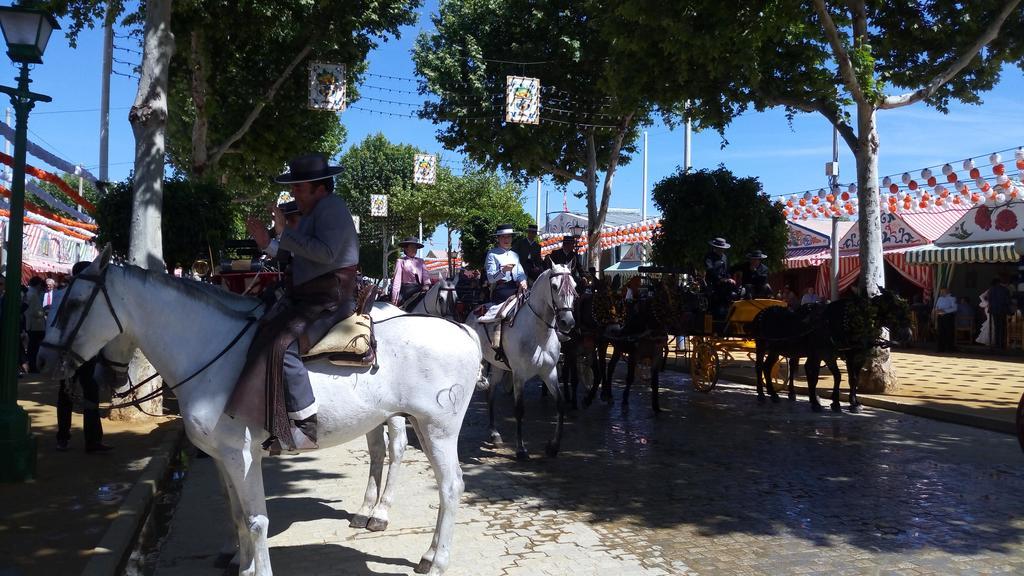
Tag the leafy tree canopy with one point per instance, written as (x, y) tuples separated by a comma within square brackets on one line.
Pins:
[(768, 53), (587, 126), (699, 206), (197, 218)]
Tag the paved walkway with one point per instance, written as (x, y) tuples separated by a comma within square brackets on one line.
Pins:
[(51, 524), (717, 485), (975, 390)]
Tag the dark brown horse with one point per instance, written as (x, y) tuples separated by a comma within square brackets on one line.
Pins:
[(847, 329)]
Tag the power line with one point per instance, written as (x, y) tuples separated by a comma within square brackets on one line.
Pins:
[(78, 110), (116, 73)]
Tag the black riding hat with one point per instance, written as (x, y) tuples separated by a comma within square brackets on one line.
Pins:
[(307, 168), (411, 240)]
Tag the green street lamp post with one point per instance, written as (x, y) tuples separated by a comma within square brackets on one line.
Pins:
[(26, 33)]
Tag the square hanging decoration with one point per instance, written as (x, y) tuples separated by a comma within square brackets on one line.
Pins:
[(378, 204), (522, 100), (424, 169), (327, 86)]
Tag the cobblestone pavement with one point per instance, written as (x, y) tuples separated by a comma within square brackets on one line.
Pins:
[(717, 485)]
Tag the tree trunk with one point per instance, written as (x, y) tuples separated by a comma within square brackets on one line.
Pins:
[(593, 226), (200, 130), (878, 376), (148, 118)]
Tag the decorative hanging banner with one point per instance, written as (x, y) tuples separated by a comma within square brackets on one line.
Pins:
[(424, 169), (522, 100), (378, 204), (327, 86)]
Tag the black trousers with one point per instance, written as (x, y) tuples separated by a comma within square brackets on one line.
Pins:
[(947, 330), (35, 338), (998, 327), (90, 406)]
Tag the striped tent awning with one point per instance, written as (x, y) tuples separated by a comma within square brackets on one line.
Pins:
[(963, 254), (806, 256)]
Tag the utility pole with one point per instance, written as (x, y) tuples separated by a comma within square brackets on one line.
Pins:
[(832, 170), (108, 55), (686, 141), (538, 201), (643, 201)]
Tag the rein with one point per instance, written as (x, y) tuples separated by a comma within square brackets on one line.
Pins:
[(164, 389), (556, 310), (100, 286)]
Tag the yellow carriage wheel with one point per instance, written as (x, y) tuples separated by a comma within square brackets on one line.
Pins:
[(704, 365)]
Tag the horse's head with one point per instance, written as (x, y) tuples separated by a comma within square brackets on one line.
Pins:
[(892, 312), (80, 329), (445, 301), (562, 288)]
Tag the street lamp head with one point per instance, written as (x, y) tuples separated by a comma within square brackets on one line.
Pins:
[(576, 228), (26, 32)]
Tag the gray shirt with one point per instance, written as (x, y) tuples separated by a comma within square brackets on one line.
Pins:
[(325, 241)]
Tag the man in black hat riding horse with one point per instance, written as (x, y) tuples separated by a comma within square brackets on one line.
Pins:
[(325, 256), (528, 250), (567, 256)]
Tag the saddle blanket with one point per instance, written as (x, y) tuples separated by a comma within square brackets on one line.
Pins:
[(497, 312)]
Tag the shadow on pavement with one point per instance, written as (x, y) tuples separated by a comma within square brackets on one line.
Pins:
[(722, 464)]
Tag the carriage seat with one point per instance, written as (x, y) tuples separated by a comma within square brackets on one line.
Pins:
[(349, 343)]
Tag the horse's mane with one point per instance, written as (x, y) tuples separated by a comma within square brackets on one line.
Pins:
[(228, 302)]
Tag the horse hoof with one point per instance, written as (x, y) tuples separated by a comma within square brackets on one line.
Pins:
[(775, 399), (816, 408), (760, 399), (551, 450), (836, 407), (522, 455), (358, 521), (792, 397), (496, 439), (424, 566), (377, 525), (855, 408)]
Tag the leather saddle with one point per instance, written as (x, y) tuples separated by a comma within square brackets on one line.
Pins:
[(351, 341)]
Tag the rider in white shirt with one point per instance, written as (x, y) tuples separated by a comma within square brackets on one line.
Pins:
[(504, 272)]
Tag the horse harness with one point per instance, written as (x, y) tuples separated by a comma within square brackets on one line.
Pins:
[(64, 349)]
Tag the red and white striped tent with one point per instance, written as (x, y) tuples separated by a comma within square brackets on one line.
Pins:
[(900, 233)]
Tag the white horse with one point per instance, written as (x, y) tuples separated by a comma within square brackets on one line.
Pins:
[(438, 301), (531, 347), (178, 323)]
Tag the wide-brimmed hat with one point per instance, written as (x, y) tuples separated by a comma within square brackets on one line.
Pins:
[(720, 243), (410, 240), (503, 229), (307, 168), (568, 237), (289, 208), (756, 254), (531, 228)]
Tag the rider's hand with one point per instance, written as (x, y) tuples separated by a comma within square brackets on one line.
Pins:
[(258, 233)]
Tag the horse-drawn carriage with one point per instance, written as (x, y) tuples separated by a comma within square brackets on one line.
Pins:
[(713, 342)]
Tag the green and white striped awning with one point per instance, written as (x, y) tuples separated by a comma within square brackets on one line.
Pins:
[(964, 254)]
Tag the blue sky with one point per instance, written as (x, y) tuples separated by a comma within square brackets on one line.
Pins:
[(787, 158)]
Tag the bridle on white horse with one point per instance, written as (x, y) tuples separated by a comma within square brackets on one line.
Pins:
[(64, 349), (565, 288), (445, 304)]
